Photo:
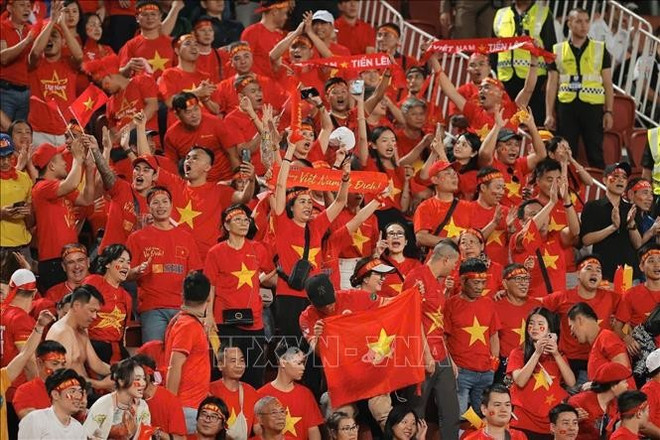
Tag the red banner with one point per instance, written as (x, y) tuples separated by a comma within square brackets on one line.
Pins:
[(488, 45), (357, 63), (321, 179), (296, 112), (370, 353)]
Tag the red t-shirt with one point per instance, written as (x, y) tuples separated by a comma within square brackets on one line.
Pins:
[(470, 92), (209, 134), (347, 302), (482, 435), (242, 130), (16, 327), (363, 240), (55, 218), (58, 291), (16, 72), (185, 334), (51, 81), (515, 177), (393, 282), (31, 394), (433, 308), (122, 218), (404, 144), (636, 304), (623, 433), (469, 326), (513, 317), (482, 121), (261, 42), (355, 37), (124, 167), (174, 254), (290, 246), (588, 401), (431, 212), (166, 412), (197, 209), (338, 240), (175, 80), (211, 63), (235, 275), (396, 178), (542, 391), (111, 318), (122, 105), (227, 97), (652, 391), (231, 398), (116, 8), (606, 346), (158, 52), (302, 411), (497, 243), (604, 304), (493, 280)]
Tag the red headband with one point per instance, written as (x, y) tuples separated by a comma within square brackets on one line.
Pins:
[(212, 407), (149, 7), (184, 38), (515, 272), (70, 250), (307, 127), (475, 275), (191, 102), (53, 356), (633, 410), (295, 194), (474, 232), (649, 254), (490, 176), (202, 23), (234, 213), (495, 82), (589, 261), (244, 83), (390, 30), (334, 86), (67, 384), (642, 184), (13, 289), (238, 48), (159, 192), (304, 40), (368, 267), (281, 5)]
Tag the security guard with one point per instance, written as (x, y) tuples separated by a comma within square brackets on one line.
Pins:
[(651, 163), (524, 18), (581, 80)]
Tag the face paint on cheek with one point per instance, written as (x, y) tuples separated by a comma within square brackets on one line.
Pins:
[(491, 413), (137, 383), (49, 371), (117, 267), (542, 328), (562, 431)]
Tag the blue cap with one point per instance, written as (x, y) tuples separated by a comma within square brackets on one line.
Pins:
[(6, 145)]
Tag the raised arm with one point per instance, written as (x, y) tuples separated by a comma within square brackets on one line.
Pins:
[(108, 176), (15, 367), (87, 196), (539, 147), (41, 41), (450, 90), (522, 100), (487, 150), (340, 201), (167, 26), (551, 87), (362, 141), (10, 54), (277, 52), (75, 174), (71, 42), (379, 94), (282, 176)]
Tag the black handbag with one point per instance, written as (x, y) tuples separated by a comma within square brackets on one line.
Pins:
[(652, 323), (301, 269), (238, 316)]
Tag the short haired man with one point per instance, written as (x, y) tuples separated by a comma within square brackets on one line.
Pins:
[(75, 263), (497, 410), (65, 389), (357, 35), (634, 411), (652, 390), (51, 356), (265, 34), (564, 422), (187, 348), (271, 416)]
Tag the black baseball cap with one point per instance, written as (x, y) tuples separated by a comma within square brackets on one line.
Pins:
[(625, 166), (320, 290)]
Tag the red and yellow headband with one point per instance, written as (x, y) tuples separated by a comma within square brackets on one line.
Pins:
[(183, 38), (191, 102), (368, 267), (516, 272), (70, 250), (642, 184), (474, 232), (490, 176), (244, 83), (148, 7), (212, 407), (53, 356), (280, 5), (475, 275), (234, 213), (302, 40), (158, 192), (389, 30), (295, 194), (334, 86), (203, 23), (650, 253), (308, 127), (589, 261), (67, 384), (239, 48)]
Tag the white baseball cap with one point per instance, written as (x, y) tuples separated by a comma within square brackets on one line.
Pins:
[(653, 361), (21, 278), (343, 135), (324, 15)]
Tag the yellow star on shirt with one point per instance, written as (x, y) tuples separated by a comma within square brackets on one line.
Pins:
[(529, 237), (290, 425), (495, 237), (554, 226), (55, 86), (244, 276), (158, 63), (550, 261), (312, 253), (550, 399), (477, 332), (520, 331), (393, 190), (344, 65), (383, 346), (483, 132), (359, 239), (232, 418), (512, 188), (396, 287), (188, 214), (89, 104), (126, 105), (193, 87), (452, 229), (541, 381), (437, 320), (112, 319)]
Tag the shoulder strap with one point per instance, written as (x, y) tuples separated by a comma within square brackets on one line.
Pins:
[(445, 220), (240, 396), (544, 272), (305, 255), (136, 205), (507, 435), (396, 269)]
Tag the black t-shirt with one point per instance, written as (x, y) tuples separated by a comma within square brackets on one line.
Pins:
[(578, 51), (647, 158), (616, 249)]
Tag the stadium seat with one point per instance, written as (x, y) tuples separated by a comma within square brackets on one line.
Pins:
[(624, 117), (636, 149), (592, 192)]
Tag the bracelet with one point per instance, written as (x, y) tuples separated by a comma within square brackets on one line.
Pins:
[(287, 160), (37, 330), (533, 65), (568, 205), (320, 106), (632, 228)]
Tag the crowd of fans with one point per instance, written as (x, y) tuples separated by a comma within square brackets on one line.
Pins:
[(147, 156)]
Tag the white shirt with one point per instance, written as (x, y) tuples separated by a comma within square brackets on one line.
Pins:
[(44, 424), (103, 415)]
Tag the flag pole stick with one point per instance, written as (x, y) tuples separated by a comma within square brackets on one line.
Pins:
[(66, 123)]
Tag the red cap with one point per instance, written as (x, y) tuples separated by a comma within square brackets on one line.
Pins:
[(102, 67), (45, 153), (611, 372), (439, 166), (149, 160)]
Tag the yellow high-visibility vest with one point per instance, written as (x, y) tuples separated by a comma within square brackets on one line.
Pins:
[(586, 83), (504, 26), (653, 136)]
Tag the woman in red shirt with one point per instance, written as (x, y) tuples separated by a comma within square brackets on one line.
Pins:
[(369, 275), (391, 251), (538, 369)]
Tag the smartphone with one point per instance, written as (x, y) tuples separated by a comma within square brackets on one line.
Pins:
[(357, 87), (18, 205), (309, 92), (246, 156)]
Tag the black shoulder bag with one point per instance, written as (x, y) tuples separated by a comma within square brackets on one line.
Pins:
[(301, 269)]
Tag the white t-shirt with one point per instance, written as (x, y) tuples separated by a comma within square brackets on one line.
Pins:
[(44, 424), (103, 415)]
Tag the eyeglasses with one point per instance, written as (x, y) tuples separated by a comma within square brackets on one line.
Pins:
[(352, 428), (396, 234), (215, 418)]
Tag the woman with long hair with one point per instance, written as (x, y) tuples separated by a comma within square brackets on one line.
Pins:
[(471, 244), (404, 424), (538, 370), (106, 332), (391, 251), (212, 417)]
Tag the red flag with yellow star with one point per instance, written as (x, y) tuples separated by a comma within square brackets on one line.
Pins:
[(369, 353), (87, 103)]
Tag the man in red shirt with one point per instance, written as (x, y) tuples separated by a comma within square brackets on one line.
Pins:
[(652, 390), (605, 345), (162, 255), (15, 44), (187, 348), (210, 60), (150, 51), (489, 216), (32, 395), (336, 93), (497, 409), (53, 200), (303, 417), (634, 410), (195, 128), (357, 35), (441, 370), (472, 326), (478, 68), (388, 37), (165, 408), (263, 36), (323, 24), (75, 263), (52, 78), (271, 416), (564, 422)]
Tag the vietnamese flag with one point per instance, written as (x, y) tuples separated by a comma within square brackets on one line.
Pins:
[(369, 353), (87, 103)]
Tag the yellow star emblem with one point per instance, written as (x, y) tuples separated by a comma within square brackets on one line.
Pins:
[(529, 237), (244, 276), (554, 226), (541, 381), (550, 400), (290, 425), (232, 418), (157, 62), (344, 65), (477, 332), (193, 87), (114, 319), (359, 240), (452, 229), (550, 261), (187, 214), (512, 188), (396, 287), (393, 190), (483, 132), (126, 105), (313, 252), (55, 86), (89, 104), (485, 292), (383, 346), (495, 237), (520, 331), (437, 320)]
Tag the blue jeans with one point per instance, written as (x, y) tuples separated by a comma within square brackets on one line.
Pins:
[(14, 103), (471, 385), (190, 415), (154, 323)]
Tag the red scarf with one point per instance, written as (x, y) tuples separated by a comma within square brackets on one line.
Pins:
[(10, 174)]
